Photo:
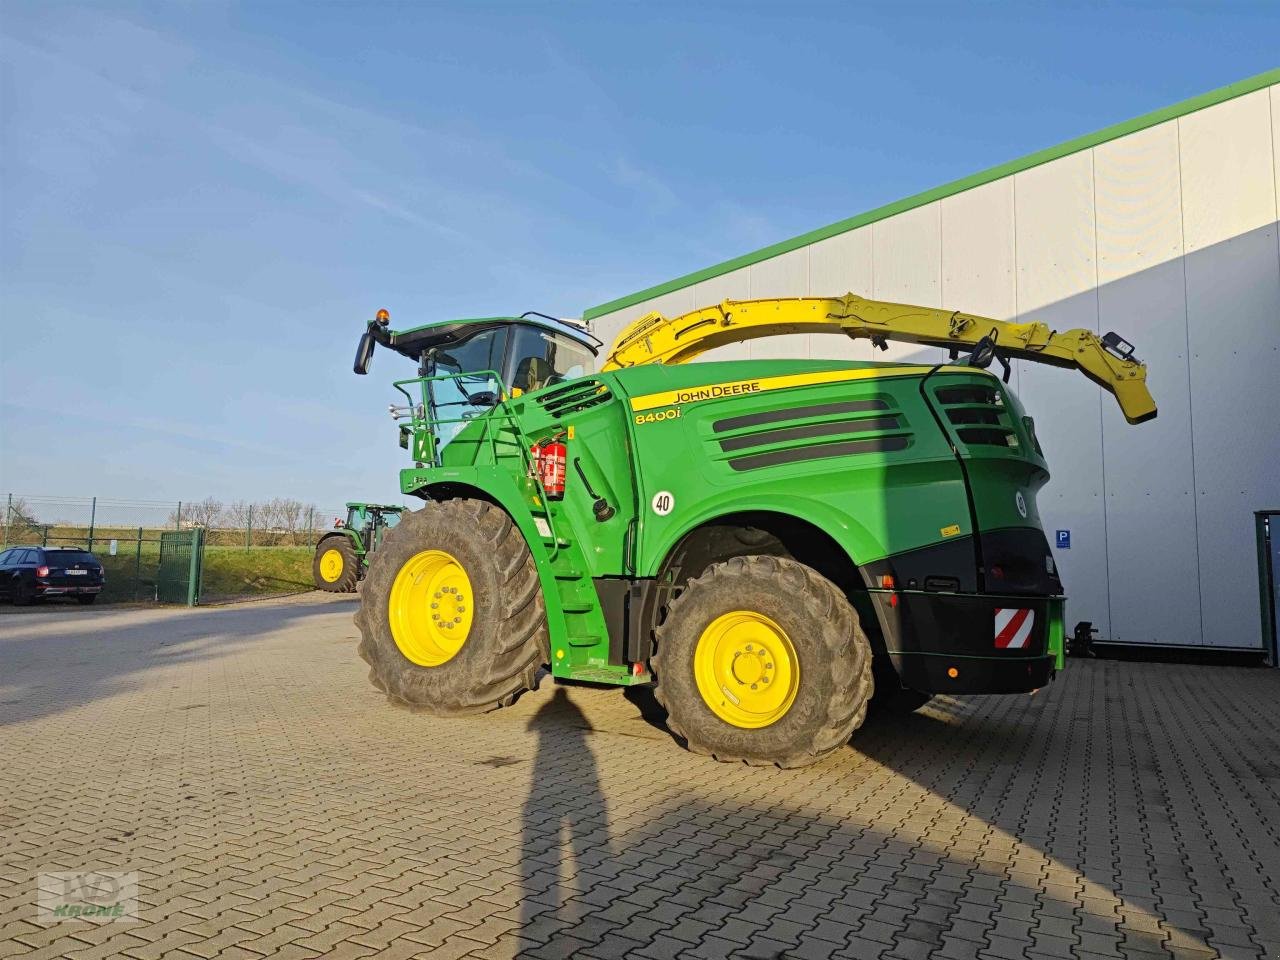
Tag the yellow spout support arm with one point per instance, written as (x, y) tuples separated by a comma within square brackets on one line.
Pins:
[(656, 339)]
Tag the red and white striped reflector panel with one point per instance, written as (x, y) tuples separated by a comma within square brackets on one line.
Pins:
[(1013, 628)]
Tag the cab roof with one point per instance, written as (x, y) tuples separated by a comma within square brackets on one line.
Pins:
[(414, 340)]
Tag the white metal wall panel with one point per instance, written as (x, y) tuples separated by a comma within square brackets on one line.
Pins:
[(735, 285), (671, 304), (1228, 170), (1057, 284), (1233, 312), (978, 260), (1137, 186), (839, 265), (1150, 502), (907, 268), (1275, 142), (606, 327), (1168, 236), (783, 276), (1235, 412)]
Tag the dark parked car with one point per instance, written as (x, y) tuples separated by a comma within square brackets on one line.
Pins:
[(28, 573)]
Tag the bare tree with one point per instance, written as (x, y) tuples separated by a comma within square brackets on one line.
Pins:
[(236, 516), (289, 514), (19, 519), (266, 520), (207, 513), (274, 521)]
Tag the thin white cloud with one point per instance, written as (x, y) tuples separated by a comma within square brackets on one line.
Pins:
[(650, 187)]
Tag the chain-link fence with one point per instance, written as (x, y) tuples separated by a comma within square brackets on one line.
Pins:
[(251, 549), (269, 523)]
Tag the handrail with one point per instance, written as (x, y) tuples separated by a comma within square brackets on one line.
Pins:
[(501, 410)]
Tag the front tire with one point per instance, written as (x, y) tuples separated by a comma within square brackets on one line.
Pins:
[(451, 618), (335, 567), (763, 660)]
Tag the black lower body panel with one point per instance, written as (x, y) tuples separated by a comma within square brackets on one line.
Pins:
[(970, 643)]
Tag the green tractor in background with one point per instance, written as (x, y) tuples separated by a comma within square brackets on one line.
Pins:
[(343, 553)]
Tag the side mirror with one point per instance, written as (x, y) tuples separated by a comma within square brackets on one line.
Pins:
[(364, 353)]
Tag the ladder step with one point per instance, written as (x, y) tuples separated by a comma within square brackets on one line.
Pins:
[(568, 574)]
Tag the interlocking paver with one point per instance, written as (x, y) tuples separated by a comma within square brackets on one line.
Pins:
[(274, 805)]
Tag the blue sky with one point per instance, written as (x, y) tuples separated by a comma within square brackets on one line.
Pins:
[(202, 203)]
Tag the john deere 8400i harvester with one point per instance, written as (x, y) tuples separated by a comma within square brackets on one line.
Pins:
[(767, 541)]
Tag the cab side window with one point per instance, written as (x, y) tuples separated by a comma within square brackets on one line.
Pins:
[(540, 359)]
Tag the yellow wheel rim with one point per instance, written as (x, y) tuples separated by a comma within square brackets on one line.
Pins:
[(746, 669), (430, 608), (331, 565)]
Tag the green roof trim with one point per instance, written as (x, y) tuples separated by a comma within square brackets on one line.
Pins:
[(1113, 132)]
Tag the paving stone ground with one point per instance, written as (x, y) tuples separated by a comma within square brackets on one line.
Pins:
[(274, 805)]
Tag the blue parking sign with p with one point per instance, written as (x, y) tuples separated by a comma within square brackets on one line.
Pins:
[(1064, 539)]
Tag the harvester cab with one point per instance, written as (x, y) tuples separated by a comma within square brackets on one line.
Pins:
[(468, 367), (342, 554), (767, 541)]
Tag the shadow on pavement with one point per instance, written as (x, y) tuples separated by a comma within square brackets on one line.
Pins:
[(565, 825), (63, 660), (1034, 794)]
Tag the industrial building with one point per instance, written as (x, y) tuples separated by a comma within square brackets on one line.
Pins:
[(1163, 229)]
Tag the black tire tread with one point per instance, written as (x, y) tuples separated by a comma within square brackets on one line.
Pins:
[(517, 646), (350, 564), (841, 630)]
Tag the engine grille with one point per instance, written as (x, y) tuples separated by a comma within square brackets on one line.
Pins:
[(574, 397)]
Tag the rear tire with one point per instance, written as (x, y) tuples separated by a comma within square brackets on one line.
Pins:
[(335, 567), (832, 680), (506, 640), (23, 595), (85, 599)]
